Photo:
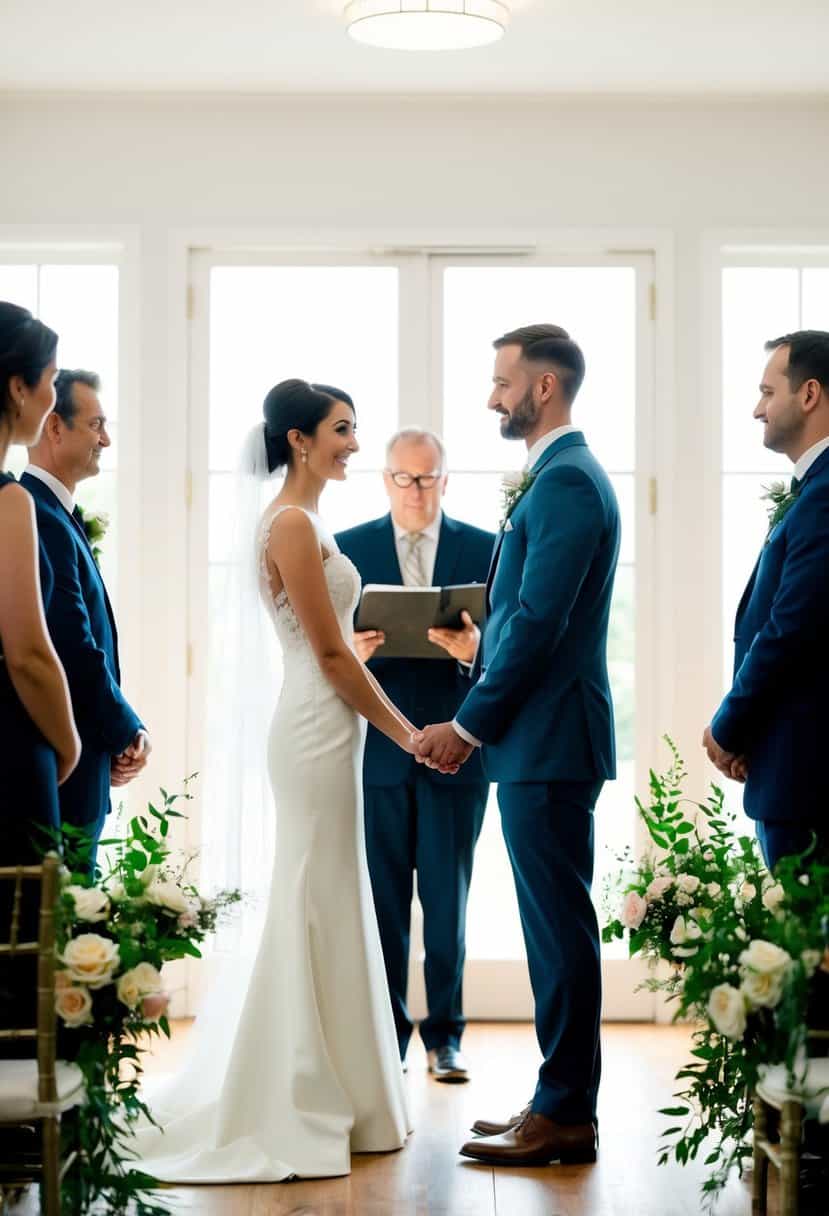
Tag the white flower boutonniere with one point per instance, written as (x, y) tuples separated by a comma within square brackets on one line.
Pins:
[(514, 487), (95, 527), (781, 498)]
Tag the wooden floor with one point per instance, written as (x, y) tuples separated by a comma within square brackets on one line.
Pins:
[(428, 1178)]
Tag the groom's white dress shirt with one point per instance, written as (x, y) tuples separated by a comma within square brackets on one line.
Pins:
[(809, 457), (538, 448), (57, 487)]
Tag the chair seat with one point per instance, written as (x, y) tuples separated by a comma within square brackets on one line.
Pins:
[(18, 1090), (811, 1090)]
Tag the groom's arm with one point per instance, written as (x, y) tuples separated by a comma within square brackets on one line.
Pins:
[(564, 528)]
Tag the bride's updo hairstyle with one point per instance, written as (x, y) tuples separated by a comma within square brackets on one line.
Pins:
[(295, 405), (27, 347)]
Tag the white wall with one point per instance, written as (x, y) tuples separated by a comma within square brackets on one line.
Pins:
[(416, 167)]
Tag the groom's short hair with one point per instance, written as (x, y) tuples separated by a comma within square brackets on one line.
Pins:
[(552, 345), (808, 356)]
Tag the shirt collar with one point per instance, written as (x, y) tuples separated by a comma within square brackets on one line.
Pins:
[(540, 446), (809, 457), (57, 487), (431, 533)]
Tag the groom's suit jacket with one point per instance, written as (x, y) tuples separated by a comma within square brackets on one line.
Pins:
[(777, 713), (83, 630), (426, 690), (542, 705)]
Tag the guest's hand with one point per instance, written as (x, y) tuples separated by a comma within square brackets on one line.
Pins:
[(461, 644), (132, 760), (366, 643), (441, 747), (728, 763)]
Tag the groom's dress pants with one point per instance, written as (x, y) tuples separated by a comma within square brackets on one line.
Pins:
[(431, 828), (548, 829)]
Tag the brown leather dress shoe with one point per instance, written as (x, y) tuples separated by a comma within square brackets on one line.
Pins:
[(536, 1140), (447, 1064), (488, 1127)]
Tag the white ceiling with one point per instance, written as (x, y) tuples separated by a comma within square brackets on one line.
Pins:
[(300, 46)]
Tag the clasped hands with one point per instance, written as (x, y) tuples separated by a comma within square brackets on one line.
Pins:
[(132, 759), (440, 747), (728, 763)]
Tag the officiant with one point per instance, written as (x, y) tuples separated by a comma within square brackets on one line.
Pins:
[(418, 820)]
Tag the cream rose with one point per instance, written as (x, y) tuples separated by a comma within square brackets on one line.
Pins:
[(683, 936), (727, 1011), (633, 910), (658, 886), (73, 1003), (133, 986), (713, 889), (91, 904), (167, 895), (762, 988), (687, 883), (773, 897), (747, 892), (765, 957), (91, 959)]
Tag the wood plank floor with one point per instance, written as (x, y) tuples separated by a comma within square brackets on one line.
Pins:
[(428, 1178)]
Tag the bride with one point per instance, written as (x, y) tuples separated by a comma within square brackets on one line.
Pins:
[(308, 1071)]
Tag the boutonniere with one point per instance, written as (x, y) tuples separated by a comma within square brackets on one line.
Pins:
[(95, 527), (513, 489), (781, 498)]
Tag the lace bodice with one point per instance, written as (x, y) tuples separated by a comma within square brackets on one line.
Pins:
[(340, 574)]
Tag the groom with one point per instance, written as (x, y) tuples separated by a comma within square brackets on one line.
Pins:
[(542, 713)]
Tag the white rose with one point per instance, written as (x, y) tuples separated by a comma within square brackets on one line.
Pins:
[(91, 959), (133, 986), (167, 895), (683, 899), (683, 934), (727, 1011), (511, 481), (73, 1003), (658, 887), (811, 960), (747, 892), (713, 889), (687, 883), (804, 880), (765, 957), (773, 897), (117, 892), (91, 904), (633, 910), (762, 988)]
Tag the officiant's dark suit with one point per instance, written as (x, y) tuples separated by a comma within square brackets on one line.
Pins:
[(416, 819), (776, 713), (82, 625)]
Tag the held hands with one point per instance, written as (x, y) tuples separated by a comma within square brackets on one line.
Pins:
[(729, 764), (131, 761), (441, 747), (461, 644)]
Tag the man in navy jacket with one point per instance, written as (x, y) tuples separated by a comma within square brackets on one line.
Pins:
[(417, 819), (771, 728), (542, 714), (115, 744)]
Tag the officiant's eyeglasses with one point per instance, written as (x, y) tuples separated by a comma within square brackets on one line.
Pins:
[(424, 481)]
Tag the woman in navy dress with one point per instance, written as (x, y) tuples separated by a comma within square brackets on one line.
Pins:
[(39, 744)]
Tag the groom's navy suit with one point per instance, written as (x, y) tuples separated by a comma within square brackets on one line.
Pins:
[(542, 709), (777, 713), (417, 819), (82, 627)]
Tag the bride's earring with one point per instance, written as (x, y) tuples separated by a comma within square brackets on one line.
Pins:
[(304, 456), (20, 407)]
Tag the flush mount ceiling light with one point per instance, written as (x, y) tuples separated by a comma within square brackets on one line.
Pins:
[(426, 25)]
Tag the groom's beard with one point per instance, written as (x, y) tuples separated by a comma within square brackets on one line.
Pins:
[(522, 420)]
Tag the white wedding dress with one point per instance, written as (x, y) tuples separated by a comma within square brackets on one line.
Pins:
[(308, 1071)]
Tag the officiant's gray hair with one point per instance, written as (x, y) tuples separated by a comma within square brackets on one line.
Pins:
[(417, 434)]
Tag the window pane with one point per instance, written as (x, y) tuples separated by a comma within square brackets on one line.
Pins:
[(18, 285), (81, 304), (758, 303), (332, 324), (815, 298), (597, 306)]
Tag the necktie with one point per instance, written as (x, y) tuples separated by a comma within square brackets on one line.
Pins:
[(414, 574), (794, 488)]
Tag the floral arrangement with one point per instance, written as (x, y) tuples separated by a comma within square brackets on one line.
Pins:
[(95, 527), (749, 961), (115, 933), (781, 498), (514, 487)]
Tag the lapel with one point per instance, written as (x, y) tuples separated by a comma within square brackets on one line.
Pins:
[(448, 552), (571, 440)]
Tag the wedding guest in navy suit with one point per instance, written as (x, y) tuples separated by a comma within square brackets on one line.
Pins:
[(417, 820), (542, 714), (80, 618), (39, 745), (771, 729)]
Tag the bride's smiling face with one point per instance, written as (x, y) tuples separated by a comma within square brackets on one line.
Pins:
[(333, 443)]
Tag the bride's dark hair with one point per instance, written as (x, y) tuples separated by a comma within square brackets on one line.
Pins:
[(295, 405), (27, 347)]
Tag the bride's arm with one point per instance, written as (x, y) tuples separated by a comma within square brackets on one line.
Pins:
[(294, 550)]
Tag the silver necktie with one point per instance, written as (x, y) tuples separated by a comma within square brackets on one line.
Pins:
[(414, 574)]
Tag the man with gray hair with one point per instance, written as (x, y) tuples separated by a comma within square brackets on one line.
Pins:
[(418, 819)]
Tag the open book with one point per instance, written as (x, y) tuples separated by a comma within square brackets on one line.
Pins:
[(404, 614)]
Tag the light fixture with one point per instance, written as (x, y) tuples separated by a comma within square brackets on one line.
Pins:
[(426, 25)]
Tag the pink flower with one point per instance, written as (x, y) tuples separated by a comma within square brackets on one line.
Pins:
[(633, 910), (155, 1006), (188, 919)]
